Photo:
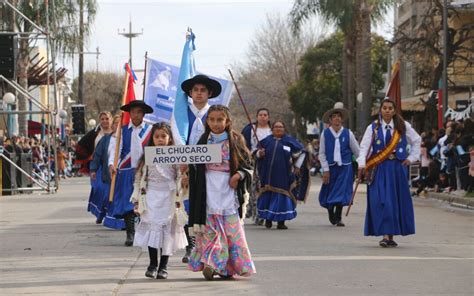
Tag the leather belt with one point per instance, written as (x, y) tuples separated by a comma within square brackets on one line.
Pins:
[(392, 156)]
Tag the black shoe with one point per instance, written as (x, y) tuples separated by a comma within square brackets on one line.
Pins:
[(281, 225), (340, 224), (392, 244), (99, 220), (384, 243), (129, 239), (268, 223), (186, 256), (331, 216), (151, 272), (260, 221), (162, 274)]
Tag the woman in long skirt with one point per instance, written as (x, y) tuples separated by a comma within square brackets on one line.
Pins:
[(389, 205)]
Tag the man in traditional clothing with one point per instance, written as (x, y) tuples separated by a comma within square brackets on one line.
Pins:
[(200, 88), (337, 146), (135, 136)]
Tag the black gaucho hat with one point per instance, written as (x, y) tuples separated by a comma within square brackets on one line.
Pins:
[(137, 103), (212, 85)]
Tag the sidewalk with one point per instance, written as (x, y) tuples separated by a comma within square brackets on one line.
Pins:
[(453, 199)]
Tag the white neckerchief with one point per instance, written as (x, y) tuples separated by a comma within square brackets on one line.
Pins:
[(337, 145), (198, 126)]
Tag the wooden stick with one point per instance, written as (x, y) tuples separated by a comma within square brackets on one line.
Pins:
[(118, 137), (353, 195), (245, 109)]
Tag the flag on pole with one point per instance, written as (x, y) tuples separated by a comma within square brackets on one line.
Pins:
[(179, 118), (130, 96), (393, 90)]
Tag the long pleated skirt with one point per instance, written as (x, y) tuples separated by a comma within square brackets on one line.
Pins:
[(275, 206), (339, 189), (222, 246), (389, 203), (123, 192), (98, 196)]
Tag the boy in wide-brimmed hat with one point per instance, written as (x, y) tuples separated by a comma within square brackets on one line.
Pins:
[(200, 88), (337, 145), (135, 136)]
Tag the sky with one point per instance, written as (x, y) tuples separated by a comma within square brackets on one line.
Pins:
[(223, 30)]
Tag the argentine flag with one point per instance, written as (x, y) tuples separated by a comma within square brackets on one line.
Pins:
[(179, 119)]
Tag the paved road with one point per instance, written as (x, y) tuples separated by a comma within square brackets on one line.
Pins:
[(50, 245)]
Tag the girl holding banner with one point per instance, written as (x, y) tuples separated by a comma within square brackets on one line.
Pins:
[(389, 205), (155, 201), (218, 196)]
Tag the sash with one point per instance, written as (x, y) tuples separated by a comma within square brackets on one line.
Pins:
[(378, 158)]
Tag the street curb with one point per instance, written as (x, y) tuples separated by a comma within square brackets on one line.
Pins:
[(457, 201)]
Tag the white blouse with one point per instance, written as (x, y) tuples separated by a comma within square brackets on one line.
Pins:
[(413, 139)]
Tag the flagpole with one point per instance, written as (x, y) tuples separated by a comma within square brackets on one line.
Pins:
[(144, 76), (245, 108), (118, 137)]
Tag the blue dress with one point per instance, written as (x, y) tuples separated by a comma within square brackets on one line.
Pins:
[(101, 185), (389, 204), (275, 202)]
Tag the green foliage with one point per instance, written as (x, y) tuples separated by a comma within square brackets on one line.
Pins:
[(380, 52), (63, 20), (320, 82)]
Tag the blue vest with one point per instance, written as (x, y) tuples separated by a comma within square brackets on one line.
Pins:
[(379, 144), (344, 141), (125, 156)]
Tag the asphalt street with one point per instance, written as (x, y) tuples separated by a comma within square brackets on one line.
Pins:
[(50, 245)]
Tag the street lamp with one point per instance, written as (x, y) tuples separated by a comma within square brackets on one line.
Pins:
[(10, 100), (62, 115), (92, 122)]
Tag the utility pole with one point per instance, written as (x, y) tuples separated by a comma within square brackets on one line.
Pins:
[(130, 35), (81, 53), (445, 58)]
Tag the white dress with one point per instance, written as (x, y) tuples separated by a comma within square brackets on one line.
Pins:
[(158, 227)]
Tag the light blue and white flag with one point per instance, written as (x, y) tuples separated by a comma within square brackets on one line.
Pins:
[(163, 91), (179, 119)]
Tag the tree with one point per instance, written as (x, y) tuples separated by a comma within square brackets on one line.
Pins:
[(64, 28), (425, 50), (271, 67), (320, 82), (353, 18), (102, 92)]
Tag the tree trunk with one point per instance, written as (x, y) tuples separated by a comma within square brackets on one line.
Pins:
[(349, 72), (364, 65), (23, 64)]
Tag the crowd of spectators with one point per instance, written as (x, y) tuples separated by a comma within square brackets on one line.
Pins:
[(41, 156)]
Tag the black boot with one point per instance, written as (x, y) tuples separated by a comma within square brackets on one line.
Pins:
[(189, 247), (163, 269), (332, 219), (281, 225), (338, 216), (130, 228), (268, 223)]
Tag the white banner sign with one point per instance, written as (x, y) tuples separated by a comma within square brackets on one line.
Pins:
[(192, 154)]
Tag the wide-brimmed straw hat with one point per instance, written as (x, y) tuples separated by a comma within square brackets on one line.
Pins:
[(137, 103), (338, 108), (212, 85)]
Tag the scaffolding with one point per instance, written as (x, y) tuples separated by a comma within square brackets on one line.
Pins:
[(45, 110)]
